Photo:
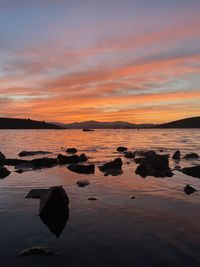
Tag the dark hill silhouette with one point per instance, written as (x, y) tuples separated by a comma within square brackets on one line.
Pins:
[(193, 122), (11, 123)]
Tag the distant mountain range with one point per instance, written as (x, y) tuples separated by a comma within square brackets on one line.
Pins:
[(103, 125), (11, 123)]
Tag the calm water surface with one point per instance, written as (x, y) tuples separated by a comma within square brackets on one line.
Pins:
[(160, 227)]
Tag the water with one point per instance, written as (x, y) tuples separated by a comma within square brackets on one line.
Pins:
[(159, 227)]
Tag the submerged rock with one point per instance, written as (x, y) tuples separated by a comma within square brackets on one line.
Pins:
[(4, 172), (154, 165), (122, 149), (71, 150), (176, 155), (36, 193), (82, 183), (191, 156), (189, 189), (47, 251), (2, 159), (193, 171), (92, 198), (82, 168), (54, 201), (33, 153), (112, 165), (71, 159)]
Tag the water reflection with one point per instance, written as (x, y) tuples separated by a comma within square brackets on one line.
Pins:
[(55, 223)]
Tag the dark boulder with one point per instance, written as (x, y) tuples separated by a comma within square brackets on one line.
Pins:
[(78, 168), (71, 159), (176, 155), (191, 156), (122, 149), (193, 171), (16, 162), (33, 153), (2, 159), (112, 165), (4, 172), (71, 150), (154, 165), (43, 163), (189, 189), (54, 201), (82, 183)]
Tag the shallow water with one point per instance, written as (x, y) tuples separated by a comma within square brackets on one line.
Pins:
[(159, 227)]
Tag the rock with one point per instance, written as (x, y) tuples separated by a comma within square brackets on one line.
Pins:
[(129, 154), (92, 198), (54, 201), (2, 159), (20, 171), (71, 150), (16, 162), (122, 149), (36, 193), (55, 222), (33, 153), (71, 159), (176, 155), (145, 153), (47, 251), (154, 165), (132, 197), (112, 165), (191, 156), (82, 168), (88, 130), (4, 172), (189, 189), (82, 183), (43, 163), (193, 171)]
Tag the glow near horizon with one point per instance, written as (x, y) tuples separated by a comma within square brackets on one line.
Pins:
[(66, 61)]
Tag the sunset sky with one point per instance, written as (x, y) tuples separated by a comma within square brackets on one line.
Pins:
[(105, 60)]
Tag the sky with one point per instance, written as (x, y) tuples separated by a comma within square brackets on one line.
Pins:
[(105, 60)]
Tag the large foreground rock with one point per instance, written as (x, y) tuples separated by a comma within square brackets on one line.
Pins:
[(4, 172), (33, 153), (71, 159), (54, 201), (78, 168), (193, 171)]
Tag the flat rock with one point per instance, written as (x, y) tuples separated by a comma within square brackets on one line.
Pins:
[(189, 189), (33, 153), (79, 168), (62, 159), (36, 193), (47, 251), (83, 183), (116, 164), (43, 162), (193, 171)]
